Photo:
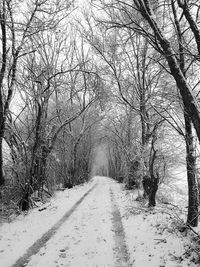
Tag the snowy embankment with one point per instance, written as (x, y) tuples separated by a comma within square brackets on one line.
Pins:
[(152, 235), (17, 236)]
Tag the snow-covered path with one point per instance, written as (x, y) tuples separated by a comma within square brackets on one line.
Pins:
[(91, 235), (97, 224), (87, 237)]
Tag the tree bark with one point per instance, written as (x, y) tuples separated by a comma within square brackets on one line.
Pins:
[(2, 74), (2, 179), (153, 179), (153, 191), (193, 195), (153, 183), (146, 182)]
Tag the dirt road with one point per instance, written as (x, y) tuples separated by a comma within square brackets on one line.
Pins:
[(90, 234)]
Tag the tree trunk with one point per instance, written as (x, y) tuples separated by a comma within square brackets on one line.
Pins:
[(42, 169), (2, 180), (146, 182), (153, 191), (193, 195), (2, 74), (153, 179)]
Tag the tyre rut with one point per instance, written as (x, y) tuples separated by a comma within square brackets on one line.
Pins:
[(120, 251), (32, 250)]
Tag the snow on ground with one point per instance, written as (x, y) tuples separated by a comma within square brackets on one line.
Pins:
[(17, 236), (87, 238), (152, 236)]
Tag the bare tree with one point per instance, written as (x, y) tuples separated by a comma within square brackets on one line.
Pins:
[(18, 22)]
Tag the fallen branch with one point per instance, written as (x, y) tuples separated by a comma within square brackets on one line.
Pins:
[(44, 208)]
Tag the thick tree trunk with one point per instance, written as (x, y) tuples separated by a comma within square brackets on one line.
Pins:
[(153, 191), (153, 183), (146, 182), (2, 74), (193, 194), (145, 137), (42, 170), (2, 179), (153, 179)]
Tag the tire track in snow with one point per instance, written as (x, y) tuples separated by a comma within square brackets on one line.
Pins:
[(120, 251), (22, 261)]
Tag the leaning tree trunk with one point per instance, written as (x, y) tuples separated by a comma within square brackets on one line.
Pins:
[(189, 100), (193, 195)]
